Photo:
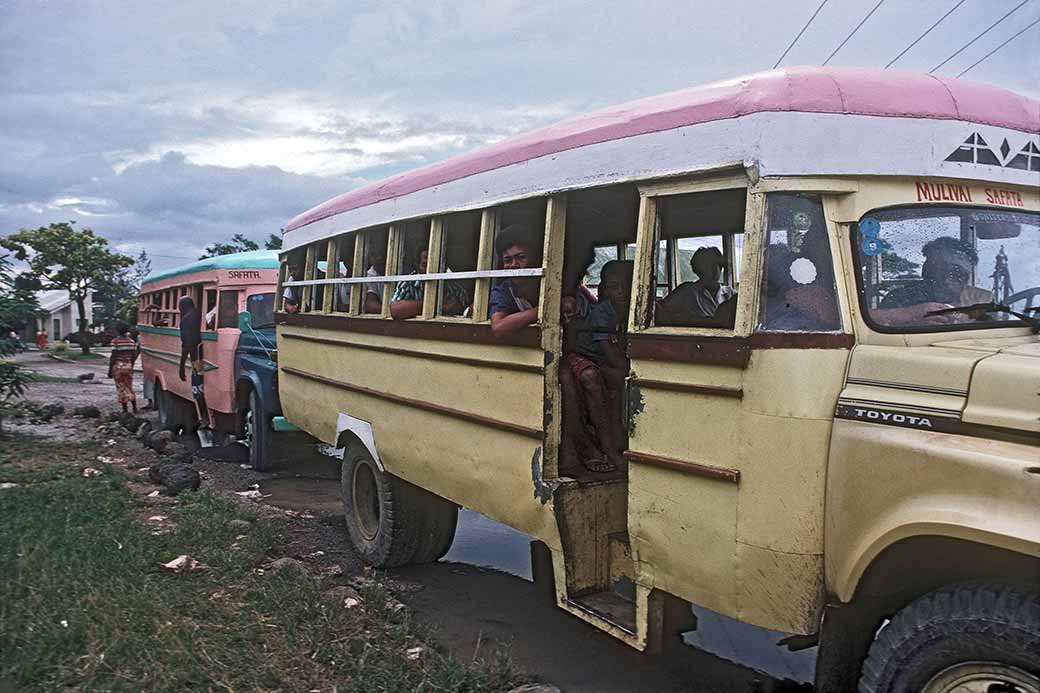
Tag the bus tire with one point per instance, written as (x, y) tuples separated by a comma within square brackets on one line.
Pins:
[(260, 435), (987, 635), (441, 517), (384, 525)]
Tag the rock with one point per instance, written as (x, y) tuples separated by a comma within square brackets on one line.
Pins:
[(178, 452), (174, 477), (240, 524), (130, 421), (84, 377), (49, 411), (341, 594), (536, 688), (158, 440), (143, 430), (89, 411), (288, 566)]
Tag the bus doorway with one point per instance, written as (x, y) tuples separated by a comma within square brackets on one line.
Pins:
[(592, 365)]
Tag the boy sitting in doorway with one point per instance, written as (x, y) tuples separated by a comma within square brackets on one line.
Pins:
[(592, 374)]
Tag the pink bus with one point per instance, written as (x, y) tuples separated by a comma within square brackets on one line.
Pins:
[(221, 288)]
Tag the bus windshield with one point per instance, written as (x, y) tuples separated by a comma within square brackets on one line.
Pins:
[(261, 309), (916, 264)]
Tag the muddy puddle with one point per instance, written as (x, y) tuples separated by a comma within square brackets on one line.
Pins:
[(480, 597)]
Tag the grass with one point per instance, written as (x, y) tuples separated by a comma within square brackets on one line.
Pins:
[(86, 605), (36, 377)]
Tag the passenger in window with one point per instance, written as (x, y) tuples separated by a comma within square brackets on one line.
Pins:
[(407, 301), (592, 377), (703, 303), (945, 282), (293, 295), (514, 301), (373, 298)]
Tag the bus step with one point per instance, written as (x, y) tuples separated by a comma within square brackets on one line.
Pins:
[(620, 556), (609, 606)]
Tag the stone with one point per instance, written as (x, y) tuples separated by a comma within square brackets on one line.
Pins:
[(158, 440), (240, 524), (341, 594), (49, 411), (143, 430), (130, 422), (174, 477), (84, 377), (89, 411), (287, 566)]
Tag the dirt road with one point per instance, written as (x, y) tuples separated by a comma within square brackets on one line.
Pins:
[(473, 609)]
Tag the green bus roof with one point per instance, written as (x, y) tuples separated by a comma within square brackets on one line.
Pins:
[(254, 259)]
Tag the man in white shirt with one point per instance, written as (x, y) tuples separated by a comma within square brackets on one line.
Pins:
[(696, 304)]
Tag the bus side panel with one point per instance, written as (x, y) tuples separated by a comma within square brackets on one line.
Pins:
[(160, 355), (408, 399)]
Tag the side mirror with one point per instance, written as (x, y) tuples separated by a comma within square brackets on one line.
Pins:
[(245, 321)]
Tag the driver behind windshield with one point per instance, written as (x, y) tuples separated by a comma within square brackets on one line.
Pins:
[(945, 282)]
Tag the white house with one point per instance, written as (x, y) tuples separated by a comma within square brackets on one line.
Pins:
[(62, 314)]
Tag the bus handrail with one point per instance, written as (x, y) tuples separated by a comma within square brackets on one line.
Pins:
[(476, 274)]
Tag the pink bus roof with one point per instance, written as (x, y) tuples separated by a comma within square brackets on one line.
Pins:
[(855, 91)]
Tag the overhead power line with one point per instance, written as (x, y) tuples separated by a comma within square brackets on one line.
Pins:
[(961, 49), (916, 40), (1034, 23), (853, 33), (781, 59)]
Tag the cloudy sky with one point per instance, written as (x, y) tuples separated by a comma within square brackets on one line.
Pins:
[(166, 126)]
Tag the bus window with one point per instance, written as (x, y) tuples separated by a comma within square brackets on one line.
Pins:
[(292, 296), (227, 311), (318, 270), (518, 245), (459, 243), (344, 268), (696, 256), (798, 291), (375, 244), (413, 249)]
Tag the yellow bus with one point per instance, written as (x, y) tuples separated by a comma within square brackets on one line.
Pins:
[(804, 396)]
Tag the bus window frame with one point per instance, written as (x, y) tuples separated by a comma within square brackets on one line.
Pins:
[(647, 234)]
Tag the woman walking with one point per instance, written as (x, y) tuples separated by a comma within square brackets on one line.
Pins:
[(121, 366)]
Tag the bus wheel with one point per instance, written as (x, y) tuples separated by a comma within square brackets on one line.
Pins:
[(384, 526), (258, 433), (959, 640)]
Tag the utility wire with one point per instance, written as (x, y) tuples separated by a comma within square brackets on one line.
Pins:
[(862, 22), (1035, 22), (781, 59), (937, 23), (961, 49)]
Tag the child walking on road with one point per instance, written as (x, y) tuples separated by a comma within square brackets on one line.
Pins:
[(121, 366)]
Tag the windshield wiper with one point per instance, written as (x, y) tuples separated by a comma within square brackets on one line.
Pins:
[(983, 308)]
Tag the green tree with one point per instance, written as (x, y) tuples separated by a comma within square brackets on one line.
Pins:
[(273, 242), (116, 297), (18, 310), (238, 244), (61, 257)]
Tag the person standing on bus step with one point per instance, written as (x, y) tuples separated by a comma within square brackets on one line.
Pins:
[(514, 301), (407, 301), (595, 359), (191, 348), (121, 365)]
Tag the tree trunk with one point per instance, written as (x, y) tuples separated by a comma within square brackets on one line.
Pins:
[(84, 339)]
